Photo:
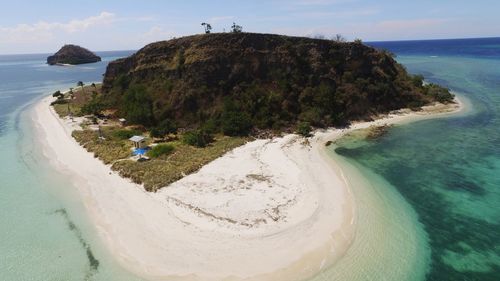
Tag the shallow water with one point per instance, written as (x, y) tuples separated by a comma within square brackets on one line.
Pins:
[(448, 169), (44, 233)]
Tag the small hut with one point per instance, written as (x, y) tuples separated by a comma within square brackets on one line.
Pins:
[(139, 141), (123, 121)]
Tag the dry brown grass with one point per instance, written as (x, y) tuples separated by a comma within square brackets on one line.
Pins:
[(107, 150), (80, 97), (158, 172)]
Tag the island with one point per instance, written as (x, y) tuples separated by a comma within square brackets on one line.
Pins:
[(203, 157), (72, 55)]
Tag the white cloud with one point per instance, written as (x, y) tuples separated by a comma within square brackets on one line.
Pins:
[(44, 31), (321, 2), (157, 33)]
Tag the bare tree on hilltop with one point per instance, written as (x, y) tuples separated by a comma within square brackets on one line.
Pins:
[(207, 26), (236, 28), (339, 38)]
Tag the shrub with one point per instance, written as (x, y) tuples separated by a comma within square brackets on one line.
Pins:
[(236, 123), (94, 106), (439, 93), (210, 126), (304, 129), (125, 134), (417, 80), (167, 126), (138, 105), (161, 149), (57, 94), (199, 138), (59, 101)]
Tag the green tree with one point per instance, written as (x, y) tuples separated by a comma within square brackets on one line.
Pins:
[(94, 106), (236, 123), (167, 126), (138, 106), (304, 129), (199, 138), (57, 94)]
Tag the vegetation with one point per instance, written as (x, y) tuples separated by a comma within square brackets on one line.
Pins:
[(58, 94), (169, 161), (82, 101), (234, 120), (439, 93), (242, 83), (339, 38), (138, 106), (304, 129), (198, 138), (93, 106), (165, 127), (236, 28), (207, 27), (108, 149), (159, 150), (124, 134)]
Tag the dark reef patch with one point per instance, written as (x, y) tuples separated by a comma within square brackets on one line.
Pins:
[(93, 262)]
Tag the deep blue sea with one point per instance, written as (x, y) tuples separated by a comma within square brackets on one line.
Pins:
[(429, 192)]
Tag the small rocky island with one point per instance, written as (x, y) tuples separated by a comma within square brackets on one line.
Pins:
[(72, 54)]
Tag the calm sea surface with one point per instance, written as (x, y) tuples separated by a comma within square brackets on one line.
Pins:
[(429, 195), (44, 233)]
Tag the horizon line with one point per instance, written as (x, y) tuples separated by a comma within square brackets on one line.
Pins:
[(307, 36)]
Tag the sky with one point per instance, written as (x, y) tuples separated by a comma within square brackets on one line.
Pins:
[(34, 26)]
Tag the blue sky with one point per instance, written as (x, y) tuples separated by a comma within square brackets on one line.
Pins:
[(43, 26)]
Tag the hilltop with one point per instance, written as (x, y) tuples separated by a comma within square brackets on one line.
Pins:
[(244, 81), (72, 54)]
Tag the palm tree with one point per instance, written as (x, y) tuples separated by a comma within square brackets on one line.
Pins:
[(80, 84), (71, 96)]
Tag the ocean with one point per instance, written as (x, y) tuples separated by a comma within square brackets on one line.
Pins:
[(428, 193), (446, 169)]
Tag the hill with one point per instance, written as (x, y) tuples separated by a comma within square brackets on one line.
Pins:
[(239, 83), (72, 54)]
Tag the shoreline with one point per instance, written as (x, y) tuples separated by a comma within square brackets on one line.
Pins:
[(186, 232)]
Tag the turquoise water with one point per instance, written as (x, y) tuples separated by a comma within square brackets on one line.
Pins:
[(448, 169), (44, 233)]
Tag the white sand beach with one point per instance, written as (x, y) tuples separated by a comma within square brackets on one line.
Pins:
[(275, 209)]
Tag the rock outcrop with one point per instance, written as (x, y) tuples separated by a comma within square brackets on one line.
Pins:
[(72, 54)]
